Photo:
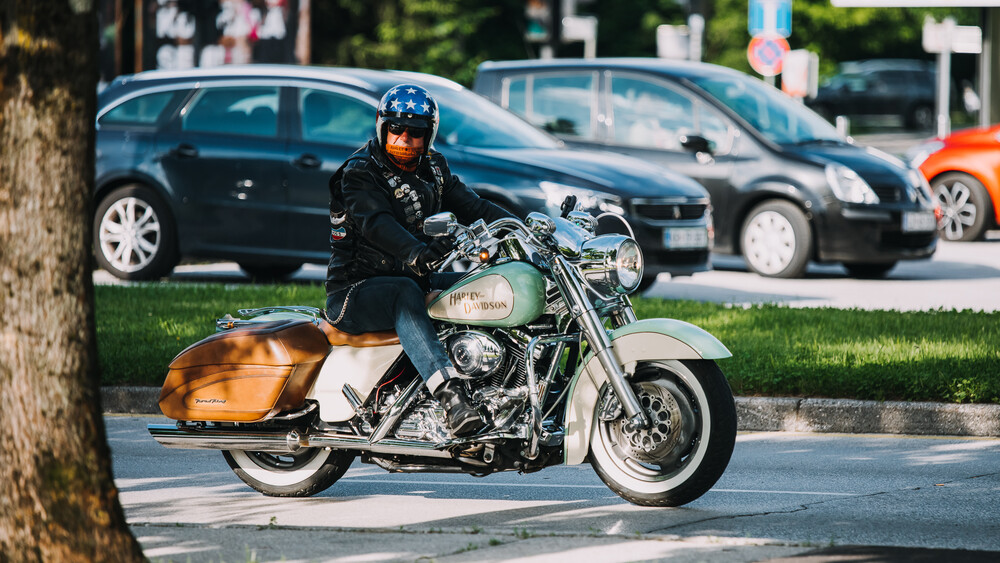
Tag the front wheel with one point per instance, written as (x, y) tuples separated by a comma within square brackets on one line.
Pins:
[(776, 240), (687, 448), (966, 206), (134, 235), (300, 474)]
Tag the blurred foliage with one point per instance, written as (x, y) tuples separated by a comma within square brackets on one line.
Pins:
[(451, 37)]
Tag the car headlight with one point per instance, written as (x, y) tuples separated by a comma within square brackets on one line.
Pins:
[(918, 154), (591, 200), (848, 186), (611, 264)]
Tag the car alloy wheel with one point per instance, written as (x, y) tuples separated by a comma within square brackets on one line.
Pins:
[(963, 206), (134, 235), (776, 240)]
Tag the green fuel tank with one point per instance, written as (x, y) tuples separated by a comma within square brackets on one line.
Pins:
[(507, 295)]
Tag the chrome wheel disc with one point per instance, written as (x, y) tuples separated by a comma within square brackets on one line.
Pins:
[(769, 242), (130, 234), (660, 451), (958, 209)]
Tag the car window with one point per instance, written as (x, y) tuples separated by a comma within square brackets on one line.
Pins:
[(327, 117), (469, 120), (559, 103), (141, 110), (776, 116), (234, 110), (653, 115)]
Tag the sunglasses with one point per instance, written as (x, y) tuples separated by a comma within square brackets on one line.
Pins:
[(415, 132)]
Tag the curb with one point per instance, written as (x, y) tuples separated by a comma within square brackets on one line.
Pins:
[(767, 414)]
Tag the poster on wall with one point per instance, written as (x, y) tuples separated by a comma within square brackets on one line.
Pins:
[(179, 34)]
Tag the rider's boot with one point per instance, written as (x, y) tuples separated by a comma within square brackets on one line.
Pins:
[(462, 417)]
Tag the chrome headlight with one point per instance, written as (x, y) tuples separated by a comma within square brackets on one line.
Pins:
[(611, 264), (848, 186)]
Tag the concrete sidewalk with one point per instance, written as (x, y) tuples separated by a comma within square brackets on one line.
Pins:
[(756, 414)]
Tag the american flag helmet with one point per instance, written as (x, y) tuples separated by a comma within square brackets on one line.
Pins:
[(410, 105)]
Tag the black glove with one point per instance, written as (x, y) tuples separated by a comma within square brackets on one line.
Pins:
[(431, 254)]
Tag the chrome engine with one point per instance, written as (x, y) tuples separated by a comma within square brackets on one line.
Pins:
[(475, 354)]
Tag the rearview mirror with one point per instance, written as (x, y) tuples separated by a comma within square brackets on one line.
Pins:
[(440, 224), (695, 143)]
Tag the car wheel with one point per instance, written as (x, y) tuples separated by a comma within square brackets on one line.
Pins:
[(269, 272), (965, 206), (134, 235), (921, 118), (776, 239), (869, 270)]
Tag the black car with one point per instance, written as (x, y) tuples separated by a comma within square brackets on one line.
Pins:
[(233, 163), (785, 187), (902, 89)]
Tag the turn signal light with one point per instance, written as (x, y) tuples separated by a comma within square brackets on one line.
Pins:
[(484, 255)]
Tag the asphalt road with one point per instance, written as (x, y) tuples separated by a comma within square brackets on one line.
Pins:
[(806, 496)]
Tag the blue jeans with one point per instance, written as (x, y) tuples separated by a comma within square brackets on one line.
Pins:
[(389, 302)]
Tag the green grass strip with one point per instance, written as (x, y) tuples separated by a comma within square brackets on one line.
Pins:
[(946, 356)]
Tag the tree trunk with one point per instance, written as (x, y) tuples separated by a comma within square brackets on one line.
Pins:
[(58, 501)]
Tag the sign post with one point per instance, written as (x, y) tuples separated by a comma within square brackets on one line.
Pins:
[(944, 39)]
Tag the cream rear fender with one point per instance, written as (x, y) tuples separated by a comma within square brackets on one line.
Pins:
[(645, 340), (361, 368)]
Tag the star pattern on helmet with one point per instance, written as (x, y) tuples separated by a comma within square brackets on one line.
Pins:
[(408, 99)]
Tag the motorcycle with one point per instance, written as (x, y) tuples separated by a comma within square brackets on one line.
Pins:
[(545, 338)]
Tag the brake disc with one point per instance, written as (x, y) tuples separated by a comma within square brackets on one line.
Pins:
[(653, 444)]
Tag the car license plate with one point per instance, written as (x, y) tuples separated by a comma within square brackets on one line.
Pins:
[(918, 221), (685, 237)]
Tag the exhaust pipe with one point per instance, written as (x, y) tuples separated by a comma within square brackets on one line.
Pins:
[(172, 436)]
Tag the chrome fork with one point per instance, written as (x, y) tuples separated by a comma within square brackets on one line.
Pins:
[(583, 311)]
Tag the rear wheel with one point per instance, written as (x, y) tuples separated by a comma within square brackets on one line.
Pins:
[(689, 444), (300, 474)]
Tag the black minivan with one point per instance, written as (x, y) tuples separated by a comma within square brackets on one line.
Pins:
[(233, 163), (785, 187)]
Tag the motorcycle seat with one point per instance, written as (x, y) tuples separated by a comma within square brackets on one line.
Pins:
[(338, 337), (364, 340)]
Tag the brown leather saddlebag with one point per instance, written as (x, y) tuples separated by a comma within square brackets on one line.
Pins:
[(245, 374)]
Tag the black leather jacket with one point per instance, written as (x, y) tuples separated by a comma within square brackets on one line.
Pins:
[(377, 213)]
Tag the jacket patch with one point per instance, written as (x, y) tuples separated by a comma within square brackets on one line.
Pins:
[(338, 233)]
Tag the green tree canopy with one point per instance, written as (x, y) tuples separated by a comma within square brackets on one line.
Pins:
[(451, 37)]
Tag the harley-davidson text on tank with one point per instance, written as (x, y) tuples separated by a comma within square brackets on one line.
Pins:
[(489, 298)]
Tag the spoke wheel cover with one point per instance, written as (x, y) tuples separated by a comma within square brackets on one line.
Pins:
[(130, 234), (958, 208)]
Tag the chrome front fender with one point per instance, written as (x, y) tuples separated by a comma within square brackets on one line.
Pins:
[(649, 339)]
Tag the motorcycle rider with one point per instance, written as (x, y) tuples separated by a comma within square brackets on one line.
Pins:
[(380, 262)]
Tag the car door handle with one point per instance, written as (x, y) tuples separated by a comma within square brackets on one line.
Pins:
[(185, 150), (308, 161)]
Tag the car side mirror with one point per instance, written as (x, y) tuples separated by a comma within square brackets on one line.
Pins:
[(440, 224), (696, 143)]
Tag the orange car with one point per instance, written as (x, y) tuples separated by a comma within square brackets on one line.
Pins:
[(964, 172)]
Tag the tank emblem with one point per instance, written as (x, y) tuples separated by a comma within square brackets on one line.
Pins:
[(489, 298)]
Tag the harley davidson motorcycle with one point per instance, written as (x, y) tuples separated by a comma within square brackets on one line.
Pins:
[(544, 335)]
